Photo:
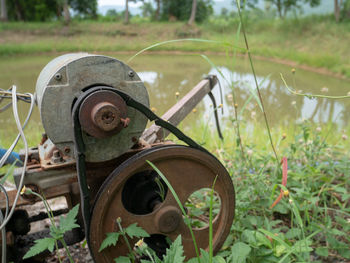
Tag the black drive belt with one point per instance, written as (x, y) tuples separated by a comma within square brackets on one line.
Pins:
[(80, 147)]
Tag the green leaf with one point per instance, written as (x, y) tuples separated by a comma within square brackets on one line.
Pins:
[(135, 231), (322, 251), (175, 252), (280, 249), (40, 246), (110, 240), (219, 259), (240, 252), (122, 259), (68, 223)]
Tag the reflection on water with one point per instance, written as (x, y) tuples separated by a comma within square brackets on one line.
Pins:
[(164, 75)]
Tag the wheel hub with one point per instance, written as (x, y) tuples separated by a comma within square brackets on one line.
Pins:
[(168, 219)]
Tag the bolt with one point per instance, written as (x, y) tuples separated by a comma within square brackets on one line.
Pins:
[(131, 74), (106, 116), (58, 76), (66, 149), (56, 157)]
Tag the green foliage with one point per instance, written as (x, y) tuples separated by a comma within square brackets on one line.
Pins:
[(285, 6), (40, 246), (66, 224), (181, 10), (111, 240), (32, 10), (135, 231), (48, 10), (175, 252)]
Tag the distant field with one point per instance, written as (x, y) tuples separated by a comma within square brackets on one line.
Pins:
[(315, 41)]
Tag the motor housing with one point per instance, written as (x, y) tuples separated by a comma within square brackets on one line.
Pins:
[(65, 78)]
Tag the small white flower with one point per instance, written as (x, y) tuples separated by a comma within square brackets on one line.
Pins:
[(252, 115), (294, 102), (318, 129), (344, 137), (229, 97), (250, 152), (324, 90)]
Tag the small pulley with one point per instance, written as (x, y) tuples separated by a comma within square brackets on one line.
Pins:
[(135, 193)]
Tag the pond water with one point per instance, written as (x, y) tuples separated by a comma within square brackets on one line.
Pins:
[(164, 75)]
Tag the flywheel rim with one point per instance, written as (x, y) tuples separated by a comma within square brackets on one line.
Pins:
[(169, 158)]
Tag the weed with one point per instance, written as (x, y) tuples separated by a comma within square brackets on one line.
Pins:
[(56, 232)]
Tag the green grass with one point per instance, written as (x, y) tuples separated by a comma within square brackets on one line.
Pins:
[(315, 41)]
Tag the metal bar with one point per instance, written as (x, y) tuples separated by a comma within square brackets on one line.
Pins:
[(180, 110)]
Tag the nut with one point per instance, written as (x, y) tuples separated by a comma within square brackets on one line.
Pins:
[(58, 76), (131, 74)]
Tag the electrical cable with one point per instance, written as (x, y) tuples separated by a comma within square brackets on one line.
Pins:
[(10, 149), (21, 134), (3, 231)]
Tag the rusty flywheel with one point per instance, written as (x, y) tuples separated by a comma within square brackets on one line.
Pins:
[(133, 194)]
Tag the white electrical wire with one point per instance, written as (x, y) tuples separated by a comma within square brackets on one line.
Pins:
[(21, 134), (9, 151)]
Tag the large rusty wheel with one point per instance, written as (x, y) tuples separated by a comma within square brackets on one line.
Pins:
[(132, 193)]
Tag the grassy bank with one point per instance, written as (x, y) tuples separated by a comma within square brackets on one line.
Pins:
[(312, 41)]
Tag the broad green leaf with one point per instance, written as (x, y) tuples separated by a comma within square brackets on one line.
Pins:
[(218, 259), (322, 251), (40, 246), (302, 246), (122, 259), (293, 232), (263, 240), (110, 240), (68, 223), (175, 252), (135, 231), (280, 249), (240, 252)]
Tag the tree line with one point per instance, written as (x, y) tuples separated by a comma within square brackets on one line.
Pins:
[(169, 10)]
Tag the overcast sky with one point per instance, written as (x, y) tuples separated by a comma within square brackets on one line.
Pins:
[(122, 2)]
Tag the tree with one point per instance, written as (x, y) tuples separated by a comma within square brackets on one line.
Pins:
[(86, 8), (126, 18), (157, 15), (224, 11), (180, 9), (283, 6), (3, 14), (193, 12), (147, 10), (66, 13)]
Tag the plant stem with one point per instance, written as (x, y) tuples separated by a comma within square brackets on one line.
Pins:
[(256, 82), (66, 248), (126, 240)]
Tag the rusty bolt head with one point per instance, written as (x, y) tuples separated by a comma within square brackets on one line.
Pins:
[(106, 116), (131, 74), (58, 76), (56, 153), (168, 219), (67, 149), (56, 157)]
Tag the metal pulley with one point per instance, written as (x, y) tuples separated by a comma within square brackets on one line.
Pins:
[(132, 194)]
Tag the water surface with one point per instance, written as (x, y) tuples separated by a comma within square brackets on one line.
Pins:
[(164, 75)]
